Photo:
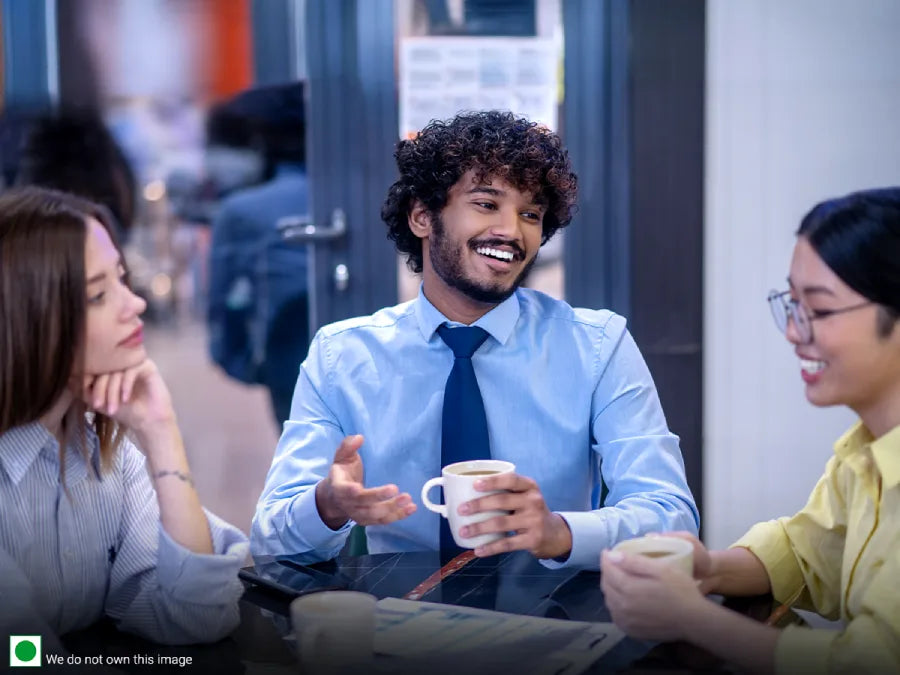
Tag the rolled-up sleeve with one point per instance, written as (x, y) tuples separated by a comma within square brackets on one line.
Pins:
[(640, 459), (803, 556), (158, 588)]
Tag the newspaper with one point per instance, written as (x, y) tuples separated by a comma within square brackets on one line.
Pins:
[(477, 640)]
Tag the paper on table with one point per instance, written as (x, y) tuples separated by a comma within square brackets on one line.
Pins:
[(418, 630)]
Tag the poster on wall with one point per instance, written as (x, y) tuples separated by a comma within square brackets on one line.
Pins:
[(441, 76)]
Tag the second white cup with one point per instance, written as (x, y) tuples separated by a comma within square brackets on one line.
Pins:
[(335, 632), (666, 550), (458, 483)]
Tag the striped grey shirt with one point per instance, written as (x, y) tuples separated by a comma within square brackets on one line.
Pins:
[(66, 560)]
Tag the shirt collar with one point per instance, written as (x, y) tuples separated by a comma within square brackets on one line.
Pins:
[(885, 450), (498, 323), (21, 446)]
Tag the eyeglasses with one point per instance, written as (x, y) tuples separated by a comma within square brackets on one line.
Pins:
[(783, 306)]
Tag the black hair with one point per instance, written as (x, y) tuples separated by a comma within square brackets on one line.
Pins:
[(73, 151), (495, 144), (270, 120), (858, 237)]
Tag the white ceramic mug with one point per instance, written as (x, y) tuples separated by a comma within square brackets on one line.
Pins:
[(667, 550), (458, 483), (335, 631)]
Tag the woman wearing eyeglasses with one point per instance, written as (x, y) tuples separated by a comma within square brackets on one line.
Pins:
[(840, 555)]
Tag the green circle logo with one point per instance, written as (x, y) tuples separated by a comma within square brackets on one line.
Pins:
[(25, 650)]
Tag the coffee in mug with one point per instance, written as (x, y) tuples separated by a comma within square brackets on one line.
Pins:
[(458, 483)]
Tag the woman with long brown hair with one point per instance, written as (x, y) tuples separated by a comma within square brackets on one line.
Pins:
[(90, 525)]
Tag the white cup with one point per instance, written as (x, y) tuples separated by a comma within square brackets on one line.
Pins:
[(458, 482), (335, 631), (666, 550)]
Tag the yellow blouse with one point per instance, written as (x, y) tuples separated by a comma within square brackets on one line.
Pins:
[(840, 556)]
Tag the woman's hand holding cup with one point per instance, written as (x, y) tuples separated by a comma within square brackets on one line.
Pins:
[(649, 586)]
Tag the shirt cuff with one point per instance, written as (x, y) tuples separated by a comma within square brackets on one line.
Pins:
[(803, 650), (586, 544), (769, 542), (203, 578), (307, 525)]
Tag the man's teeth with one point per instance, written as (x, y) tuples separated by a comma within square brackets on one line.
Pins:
[(494, 253), (811, 367)]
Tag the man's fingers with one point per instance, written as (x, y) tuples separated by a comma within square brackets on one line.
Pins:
[(387, 511), (503, 501), (517, 542), (348, 448), (509, 523), (506, 481), (355, 495)]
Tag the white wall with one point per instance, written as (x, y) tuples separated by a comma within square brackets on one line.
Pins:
[(803, 103)]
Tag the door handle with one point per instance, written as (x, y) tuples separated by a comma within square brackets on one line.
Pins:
[(300, 229)]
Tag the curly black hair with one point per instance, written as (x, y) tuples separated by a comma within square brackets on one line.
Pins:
[(496, 145)]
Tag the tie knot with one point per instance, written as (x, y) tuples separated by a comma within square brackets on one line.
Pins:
[(463, 340)]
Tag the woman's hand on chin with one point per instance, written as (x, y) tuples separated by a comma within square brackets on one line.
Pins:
[(136, 397)]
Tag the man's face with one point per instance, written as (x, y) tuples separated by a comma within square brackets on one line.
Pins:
[(483, 243)]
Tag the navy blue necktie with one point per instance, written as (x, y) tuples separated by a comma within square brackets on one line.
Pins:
[(464, 432)]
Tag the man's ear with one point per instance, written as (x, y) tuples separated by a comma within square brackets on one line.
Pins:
[(419, 220)]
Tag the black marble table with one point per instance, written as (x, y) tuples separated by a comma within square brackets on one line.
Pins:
[(512, 582), (516, 583)]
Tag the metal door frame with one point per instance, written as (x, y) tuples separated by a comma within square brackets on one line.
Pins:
[(351, 136), (30, 58)]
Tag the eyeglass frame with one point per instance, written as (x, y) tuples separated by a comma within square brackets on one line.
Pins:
[(796, 311)]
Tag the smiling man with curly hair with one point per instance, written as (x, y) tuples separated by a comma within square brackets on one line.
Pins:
[(563, 393)]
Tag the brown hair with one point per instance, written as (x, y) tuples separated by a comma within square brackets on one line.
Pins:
[(42, 311)]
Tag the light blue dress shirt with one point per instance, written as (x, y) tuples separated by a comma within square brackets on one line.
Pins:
[(67, 560), (568, 398)]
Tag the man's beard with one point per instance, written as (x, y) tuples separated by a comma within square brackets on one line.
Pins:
[(446, 259)]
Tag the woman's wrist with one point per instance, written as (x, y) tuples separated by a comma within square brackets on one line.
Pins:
[(696, 619), (163, 446), (158, 429), (714, 578)]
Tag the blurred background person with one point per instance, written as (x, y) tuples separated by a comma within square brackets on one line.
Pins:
[(258, 305), (73, 151)]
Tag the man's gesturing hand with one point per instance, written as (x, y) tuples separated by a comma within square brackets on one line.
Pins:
[(341, 495)]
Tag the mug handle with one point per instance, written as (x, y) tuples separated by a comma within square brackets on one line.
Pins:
[(431, 506)]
